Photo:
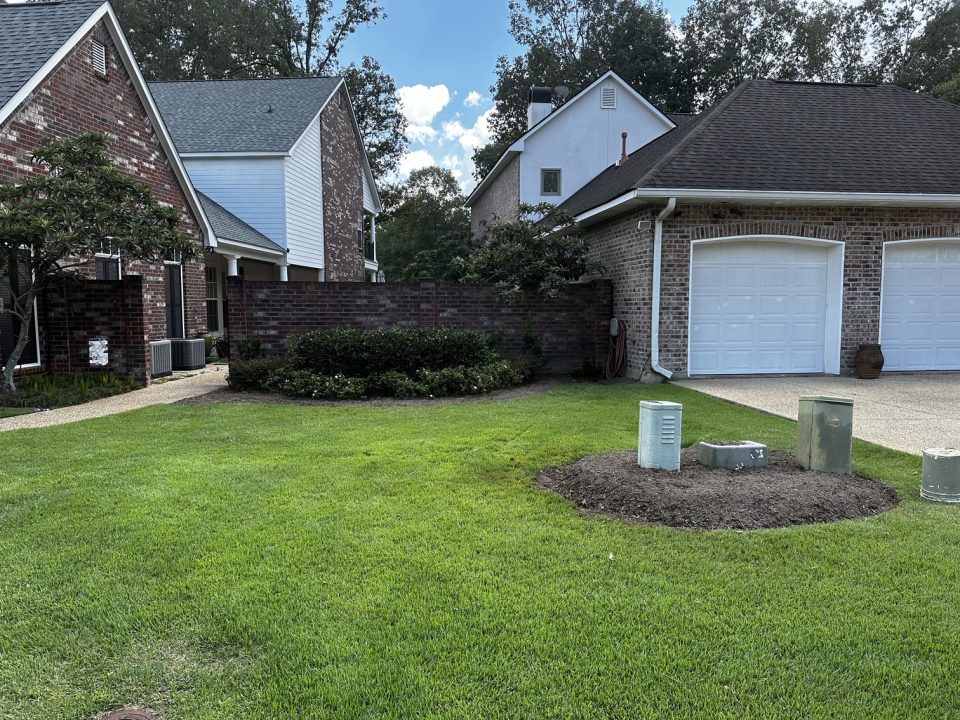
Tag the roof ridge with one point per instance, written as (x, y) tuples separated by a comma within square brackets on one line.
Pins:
[(228, 80), (705, 119)]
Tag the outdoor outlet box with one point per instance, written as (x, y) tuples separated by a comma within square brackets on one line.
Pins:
[(941, 475), (659, 444), (825, 434)]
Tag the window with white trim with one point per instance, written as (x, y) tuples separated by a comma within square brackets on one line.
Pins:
[(106, 261), (213, 299), (550, 181), (608, 98), (98, 57)]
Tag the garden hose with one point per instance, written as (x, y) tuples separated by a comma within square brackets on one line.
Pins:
[(618, 349)]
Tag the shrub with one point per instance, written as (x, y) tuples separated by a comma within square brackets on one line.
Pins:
[(302, 383), (256, 374), (398, 385), (51, 391), (361, 353), (250, 349)]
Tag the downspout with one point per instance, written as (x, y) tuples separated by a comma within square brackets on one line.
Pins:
[(655, 300)]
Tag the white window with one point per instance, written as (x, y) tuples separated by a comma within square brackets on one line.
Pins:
[(213, 300), (98, 57), (608, 98), (106, 261), (550, 181)]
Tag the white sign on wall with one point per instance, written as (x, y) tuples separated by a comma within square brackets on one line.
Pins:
[(99, 355)]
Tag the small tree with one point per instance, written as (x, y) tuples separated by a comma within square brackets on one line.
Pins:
[(52, 223), (540, 253)]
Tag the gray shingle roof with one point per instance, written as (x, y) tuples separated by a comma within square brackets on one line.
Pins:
[(769, 135), (240, 115), (228, 226), (31, 33)]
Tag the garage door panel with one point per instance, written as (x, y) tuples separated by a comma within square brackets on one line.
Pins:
[(761, 307), (920, 326)]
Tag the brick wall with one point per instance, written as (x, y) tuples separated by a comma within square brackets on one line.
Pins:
[(500, 201), (572, 328), (342, 164), (74, 313), (74, 100), (627, 254)]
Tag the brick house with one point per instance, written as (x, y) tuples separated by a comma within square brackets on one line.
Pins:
[(284, 160), (783, 228), (66, 69)]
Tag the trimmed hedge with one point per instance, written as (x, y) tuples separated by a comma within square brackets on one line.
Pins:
[(352, 364)]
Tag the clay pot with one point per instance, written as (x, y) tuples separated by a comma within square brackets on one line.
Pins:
[(869, 361)]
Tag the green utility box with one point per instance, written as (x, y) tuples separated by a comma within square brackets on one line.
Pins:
[(825, 434)]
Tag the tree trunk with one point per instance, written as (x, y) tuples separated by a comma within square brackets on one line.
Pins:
[(26, 320)]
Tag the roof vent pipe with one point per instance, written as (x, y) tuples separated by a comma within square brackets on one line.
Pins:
[(623, 148), (539, 105)]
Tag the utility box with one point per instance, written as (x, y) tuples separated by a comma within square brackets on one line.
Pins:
[(825, 434), (659, 443), (941, 475)]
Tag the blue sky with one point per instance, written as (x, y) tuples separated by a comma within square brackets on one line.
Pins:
[(442, 54)]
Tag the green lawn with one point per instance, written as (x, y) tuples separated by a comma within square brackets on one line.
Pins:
[(251, 561)]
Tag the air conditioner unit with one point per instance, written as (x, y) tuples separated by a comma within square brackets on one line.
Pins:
[(161, 363), (189, 354)]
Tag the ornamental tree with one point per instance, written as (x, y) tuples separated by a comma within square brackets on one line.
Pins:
[(51, 224)]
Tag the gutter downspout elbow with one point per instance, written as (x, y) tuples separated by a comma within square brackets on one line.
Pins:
[(655, 300)]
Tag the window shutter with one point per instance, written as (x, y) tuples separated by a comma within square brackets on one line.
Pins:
[(608, 98)]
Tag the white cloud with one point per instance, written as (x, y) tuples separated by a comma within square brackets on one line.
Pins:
[(478, 135), (420, 104), (420, 133), (414, 161), (453, 130), (472, 99)]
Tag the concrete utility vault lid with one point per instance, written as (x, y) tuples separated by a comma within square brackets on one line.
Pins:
[(131, 713)]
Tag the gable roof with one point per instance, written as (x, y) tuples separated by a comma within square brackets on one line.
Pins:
[(229, 227), (517, 146), (36, 37), (31, 33), (778, 137), (241, 116)]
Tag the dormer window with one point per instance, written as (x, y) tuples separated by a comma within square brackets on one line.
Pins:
[(608, 98), (98, 57)]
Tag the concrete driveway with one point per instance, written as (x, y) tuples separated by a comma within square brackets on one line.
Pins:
[(905, 412)]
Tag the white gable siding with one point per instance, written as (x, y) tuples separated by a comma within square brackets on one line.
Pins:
[(304, 193), (584, 140), (250, 188), (368, 203)]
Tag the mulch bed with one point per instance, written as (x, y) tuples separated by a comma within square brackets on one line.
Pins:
[(231, 396), (704, 498)]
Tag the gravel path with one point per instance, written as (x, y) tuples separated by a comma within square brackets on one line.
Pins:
[(185, 385)]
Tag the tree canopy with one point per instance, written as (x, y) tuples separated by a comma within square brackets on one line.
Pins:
[(52, 223)]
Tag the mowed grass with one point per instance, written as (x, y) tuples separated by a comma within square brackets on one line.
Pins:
[(252, 561)]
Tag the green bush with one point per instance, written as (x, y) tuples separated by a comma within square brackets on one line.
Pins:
[(302, 383), (52, 391), (256, 374), (361, 353)]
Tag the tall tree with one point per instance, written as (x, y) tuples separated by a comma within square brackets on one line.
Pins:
[(425, 227), (52, 223), (231, 39), (571, 43)]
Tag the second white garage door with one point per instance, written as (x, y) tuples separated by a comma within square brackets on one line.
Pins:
[(764, 307), (920, 306)]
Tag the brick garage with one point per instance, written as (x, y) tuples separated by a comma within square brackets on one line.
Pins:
[(626, 252), (573, 328), (74, 99)]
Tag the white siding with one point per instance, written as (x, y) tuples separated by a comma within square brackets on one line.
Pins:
[(250, 188), (584, 140), (304, 194), (368, 196)]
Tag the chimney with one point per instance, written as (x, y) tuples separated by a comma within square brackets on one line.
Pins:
[(623, 148), (540, 105)]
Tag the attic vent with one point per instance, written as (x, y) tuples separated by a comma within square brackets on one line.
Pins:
[(608, 98), (98, 56)]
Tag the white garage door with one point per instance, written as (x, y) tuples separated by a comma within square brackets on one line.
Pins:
[(760, 307), (920, 306)]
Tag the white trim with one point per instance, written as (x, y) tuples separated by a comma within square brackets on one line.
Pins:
[(36, 342), (252, 252), (655, 294), (608, 206), (834, 309), (517, 145), (105, 12), (883, 278)]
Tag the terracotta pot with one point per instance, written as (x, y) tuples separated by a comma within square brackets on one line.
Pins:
[(869, 361)]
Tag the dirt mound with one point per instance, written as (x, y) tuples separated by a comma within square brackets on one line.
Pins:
[(704, 498)]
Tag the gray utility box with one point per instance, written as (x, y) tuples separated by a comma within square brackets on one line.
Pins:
[(941, 475), (659, 443), (825, 434), (736, 456), (188, 354), (160, 362)]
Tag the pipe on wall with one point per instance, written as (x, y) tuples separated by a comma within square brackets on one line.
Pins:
[(655, 300)]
